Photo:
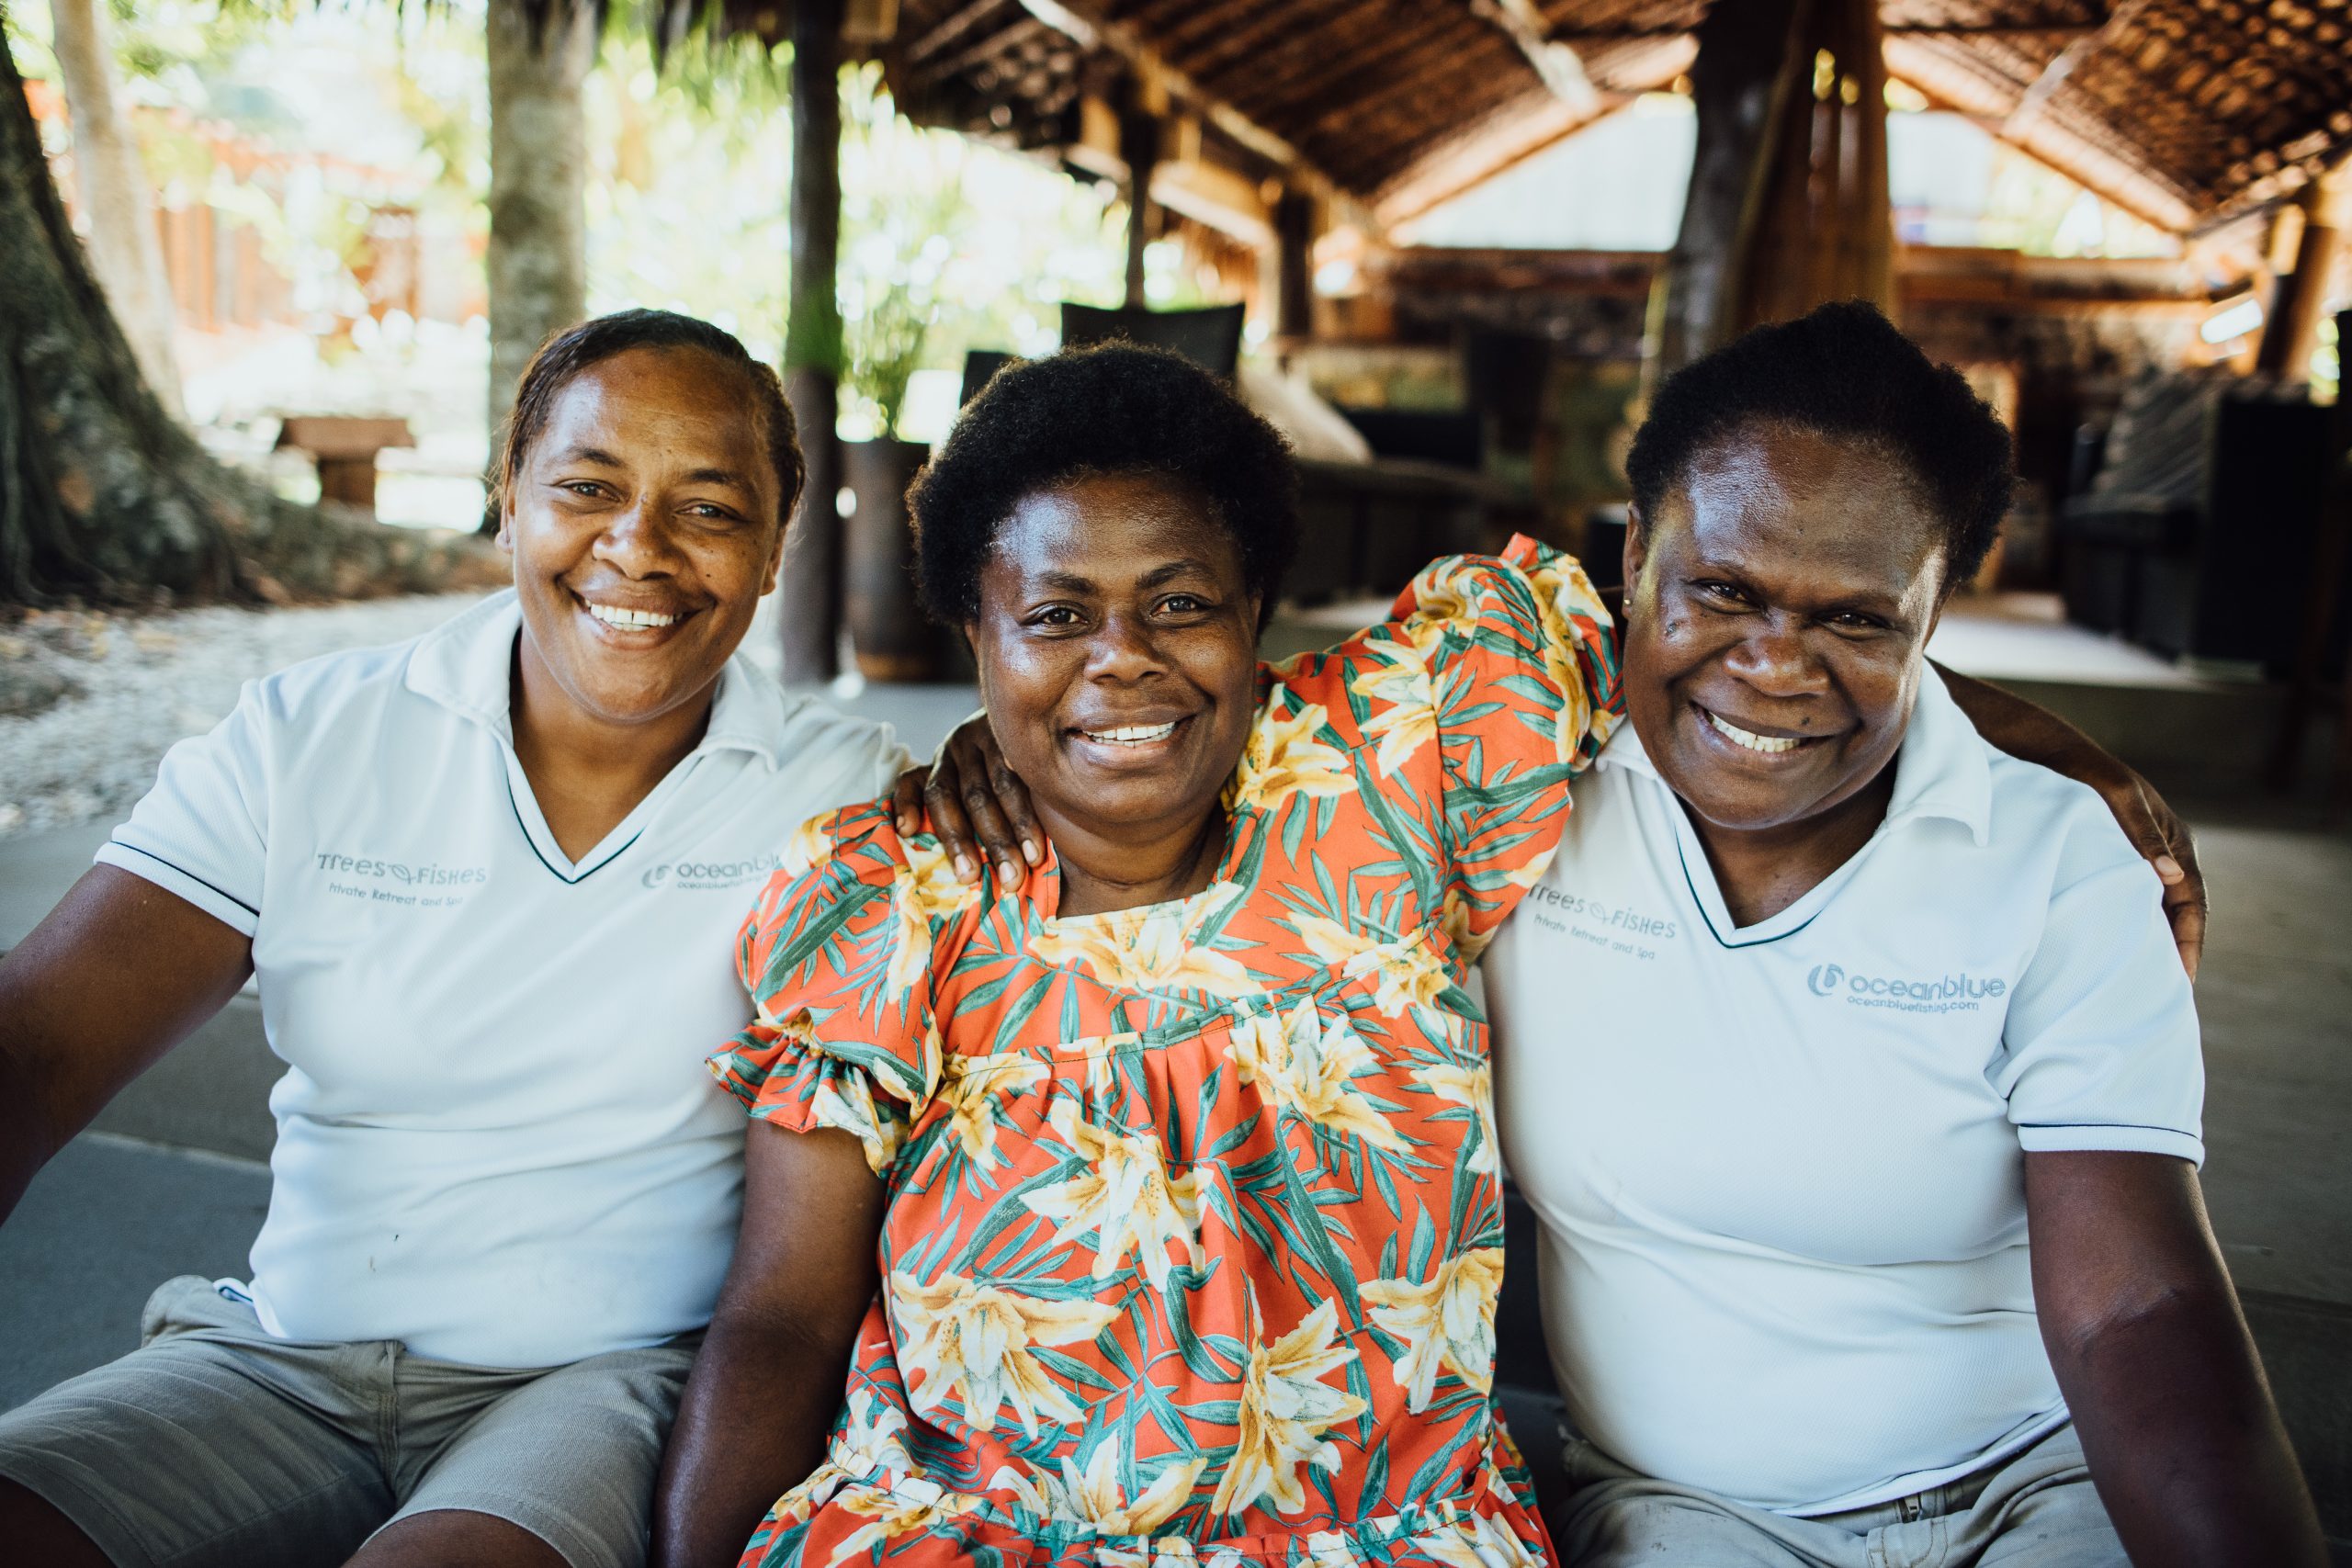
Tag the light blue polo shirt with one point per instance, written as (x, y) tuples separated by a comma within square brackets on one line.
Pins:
[(496, 1139), (1780, 1167)]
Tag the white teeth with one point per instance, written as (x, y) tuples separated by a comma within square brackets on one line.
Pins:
[(1131, 734), (1771, 745), (629, 620)]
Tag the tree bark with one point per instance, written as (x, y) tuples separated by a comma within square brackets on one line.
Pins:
[(813, 353), (536, 260), (1744, 75), (124, 250), (106, 498)]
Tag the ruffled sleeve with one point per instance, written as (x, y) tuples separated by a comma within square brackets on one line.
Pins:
[(837, 957), (1493, 682)]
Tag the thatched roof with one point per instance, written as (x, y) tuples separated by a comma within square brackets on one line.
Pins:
[(2183, 110)]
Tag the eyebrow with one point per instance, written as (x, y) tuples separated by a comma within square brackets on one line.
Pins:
[(604, 459), (1071, 583), (596, 454)]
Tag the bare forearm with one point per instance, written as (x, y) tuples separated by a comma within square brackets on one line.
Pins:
[(2025, 730), (27, 1137), (2183, 1440), (750, 1426)]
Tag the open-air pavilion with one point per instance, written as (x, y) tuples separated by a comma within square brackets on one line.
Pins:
[(2175, 579)]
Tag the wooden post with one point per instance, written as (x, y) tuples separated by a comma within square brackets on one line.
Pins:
[(813, 356), (1294, 266), (1139, 150), (1743, 76), (2292, 331)]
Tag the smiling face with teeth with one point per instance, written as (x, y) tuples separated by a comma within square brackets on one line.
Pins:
[(1778, 609), (1118, 648), (645, 522)]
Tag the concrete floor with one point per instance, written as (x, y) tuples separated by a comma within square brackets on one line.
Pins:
[(171, 1181)]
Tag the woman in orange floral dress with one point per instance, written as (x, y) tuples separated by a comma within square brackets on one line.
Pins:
[(1151, 1207)]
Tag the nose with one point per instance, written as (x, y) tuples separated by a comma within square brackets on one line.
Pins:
[(1123, 650), (636, 539), (1773, 659)]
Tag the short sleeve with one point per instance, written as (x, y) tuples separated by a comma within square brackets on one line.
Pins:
[(836, 955), (2100, 1048), (1508, 664), (201, 833)]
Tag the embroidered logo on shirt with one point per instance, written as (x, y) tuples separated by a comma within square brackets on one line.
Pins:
[(1947, 993)]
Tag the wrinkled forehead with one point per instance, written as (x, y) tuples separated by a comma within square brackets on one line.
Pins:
[(1777, 500), (1112, 529)]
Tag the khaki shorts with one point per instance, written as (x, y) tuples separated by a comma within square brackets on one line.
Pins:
[(216, 1443), (2034, 1509)]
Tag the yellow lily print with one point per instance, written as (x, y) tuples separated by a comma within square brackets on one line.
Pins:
[(1562, 593), (958, 1333), (1410, 975), (1444, 600), (973, 1090), (809, 848), (1305, 1064), (922, 890), (1475, 1088), (1447, 1321), (1478, 1541), (1283, 758), (1285, 1409), (892, 1516), (1095, 1491), (1126, 1197), (1402, 682), (1148, 949)]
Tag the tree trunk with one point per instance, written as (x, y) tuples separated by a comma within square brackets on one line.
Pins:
[(536, 260), (813, 353), (106, 498), (124, 250), (1746, 71)]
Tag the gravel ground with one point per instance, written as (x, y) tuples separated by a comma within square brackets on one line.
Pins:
[(135, 684)]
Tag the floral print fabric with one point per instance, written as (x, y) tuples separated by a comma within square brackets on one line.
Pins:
[(1194, 1225)]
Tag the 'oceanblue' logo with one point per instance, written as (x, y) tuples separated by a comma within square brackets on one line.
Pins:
[(1823, 978)]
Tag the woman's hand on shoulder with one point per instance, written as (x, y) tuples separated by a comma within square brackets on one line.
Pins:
[(2033, 734), (975, 804)]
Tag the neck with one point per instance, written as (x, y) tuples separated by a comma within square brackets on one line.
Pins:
[(1762, 871), (1102, 871), (587, 772)]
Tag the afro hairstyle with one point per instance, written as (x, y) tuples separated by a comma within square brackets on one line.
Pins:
[(1109, 409), (1843, 371)]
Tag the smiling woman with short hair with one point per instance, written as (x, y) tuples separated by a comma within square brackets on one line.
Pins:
[(486, 880), (1177, 1153), (1867, 1174)]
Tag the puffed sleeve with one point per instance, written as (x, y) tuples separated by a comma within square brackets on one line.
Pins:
[(1493, 682), (836, 955)]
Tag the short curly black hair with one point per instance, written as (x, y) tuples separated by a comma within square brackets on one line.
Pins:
[(1842, 371), (1109, 409)]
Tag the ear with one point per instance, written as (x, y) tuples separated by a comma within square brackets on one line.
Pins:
[(1637, 549), (505, 539), (775, 564)]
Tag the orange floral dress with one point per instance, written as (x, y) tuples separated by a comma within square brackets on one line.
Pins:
[(1194, 1225)]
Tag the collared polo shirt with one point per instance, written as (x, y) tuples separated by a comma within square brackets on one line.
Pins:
[(496, 1140), (1780, 1167)]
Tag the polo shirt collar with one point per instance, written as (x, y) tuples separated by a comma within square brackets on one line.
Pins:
[(466, 664), (1941, 771)]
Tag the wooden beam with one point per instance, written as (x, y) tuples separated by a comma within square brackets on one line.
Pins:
[(1084, 23), (2292, 330), (2054, 76), (1554, 61), (813, 350)]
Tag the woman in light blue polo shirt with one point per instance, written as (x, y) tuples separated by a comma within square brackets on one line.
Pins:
[(489, 881), (1847, 1060)]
